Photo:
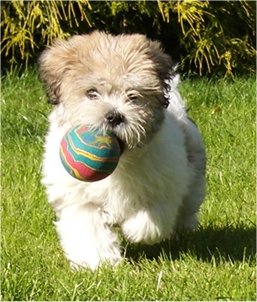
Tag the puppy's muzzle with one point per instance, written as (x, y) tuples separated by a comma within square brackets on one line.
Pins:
[(114, 118)]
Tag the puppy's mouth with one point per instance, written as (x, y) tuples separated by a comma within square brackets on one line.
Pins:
[(122, 145), (126, 146), (129, 135), (128, 141)]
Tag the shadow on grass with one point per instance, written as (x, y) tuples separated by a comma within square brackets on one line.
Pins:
[(230, 244)]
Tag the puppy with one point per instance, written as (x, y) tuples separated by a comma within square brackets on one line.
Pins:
[(123, 84)]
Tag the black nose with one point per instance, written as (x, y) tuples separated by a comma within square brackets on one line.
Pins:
[(114, 118)]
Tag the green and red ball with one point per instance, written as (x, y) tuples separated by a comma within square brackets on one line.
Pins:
[(89, 155)]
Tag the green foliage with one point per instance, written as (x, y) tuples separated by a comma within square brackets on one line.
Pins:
[(218, 35), (28, 24), (206, 37)]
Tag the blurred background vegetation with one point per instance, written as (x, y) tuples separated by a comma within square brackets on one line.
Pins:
[(204, 37)]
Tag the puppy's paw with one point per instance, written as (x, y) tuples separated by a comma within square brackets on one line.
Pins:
[(141, 228), (92, 262)]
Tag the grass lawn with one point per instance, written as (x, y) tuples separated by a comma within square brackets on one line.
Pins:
[(217, 262)]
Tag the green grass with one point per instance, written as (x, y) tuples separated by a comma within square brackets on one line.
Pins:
[(215, 263)]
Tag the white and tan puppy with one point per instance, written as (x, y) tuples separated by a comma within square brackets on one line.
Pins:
[(124, 84)]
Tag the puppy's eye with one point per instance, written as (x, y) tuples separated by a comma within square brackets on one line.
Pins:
[(92, 94), (132, 97)]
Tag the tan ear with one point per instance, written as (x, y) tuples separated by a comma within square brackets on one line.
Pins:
[(54, 62)]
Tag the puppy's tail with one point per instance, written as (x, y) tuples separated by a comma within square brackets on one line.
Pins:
[(176, 104)]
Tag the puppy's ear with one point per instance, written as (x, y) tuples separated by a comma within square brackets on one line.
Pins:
[(163, 62), (54, 62), (163, 66)]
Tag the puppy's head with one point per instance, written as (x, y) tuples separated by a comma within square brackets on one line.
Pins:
[(113, 82)]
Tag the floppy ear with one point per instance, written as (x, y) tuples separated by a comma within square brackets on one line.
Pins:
[(54, 62), (163, 62), (163, 66)]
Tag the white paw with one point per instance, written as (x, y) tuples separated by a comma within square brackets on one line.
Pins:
[(141, 228), (93, 261)]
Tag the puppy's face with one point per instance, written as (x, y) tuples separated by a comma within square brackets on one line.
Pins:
[(111, 82)]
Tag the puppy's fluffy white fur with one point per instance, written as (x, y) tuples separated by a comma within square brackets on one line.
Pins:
[(159, 183)]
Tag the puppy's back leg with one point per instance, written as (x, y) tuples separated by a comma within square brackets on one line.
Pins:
[(187, 217)]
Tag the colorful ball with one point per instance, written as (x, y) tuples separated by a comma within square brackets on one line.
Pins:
[(89, 155)]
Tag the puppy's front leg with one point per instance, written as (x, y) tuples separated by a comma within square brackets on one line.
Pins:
[(151, 224), (85, 237)]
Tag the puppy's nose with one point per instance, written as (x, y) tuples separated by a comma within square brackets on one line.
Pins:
[(114, 118)]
